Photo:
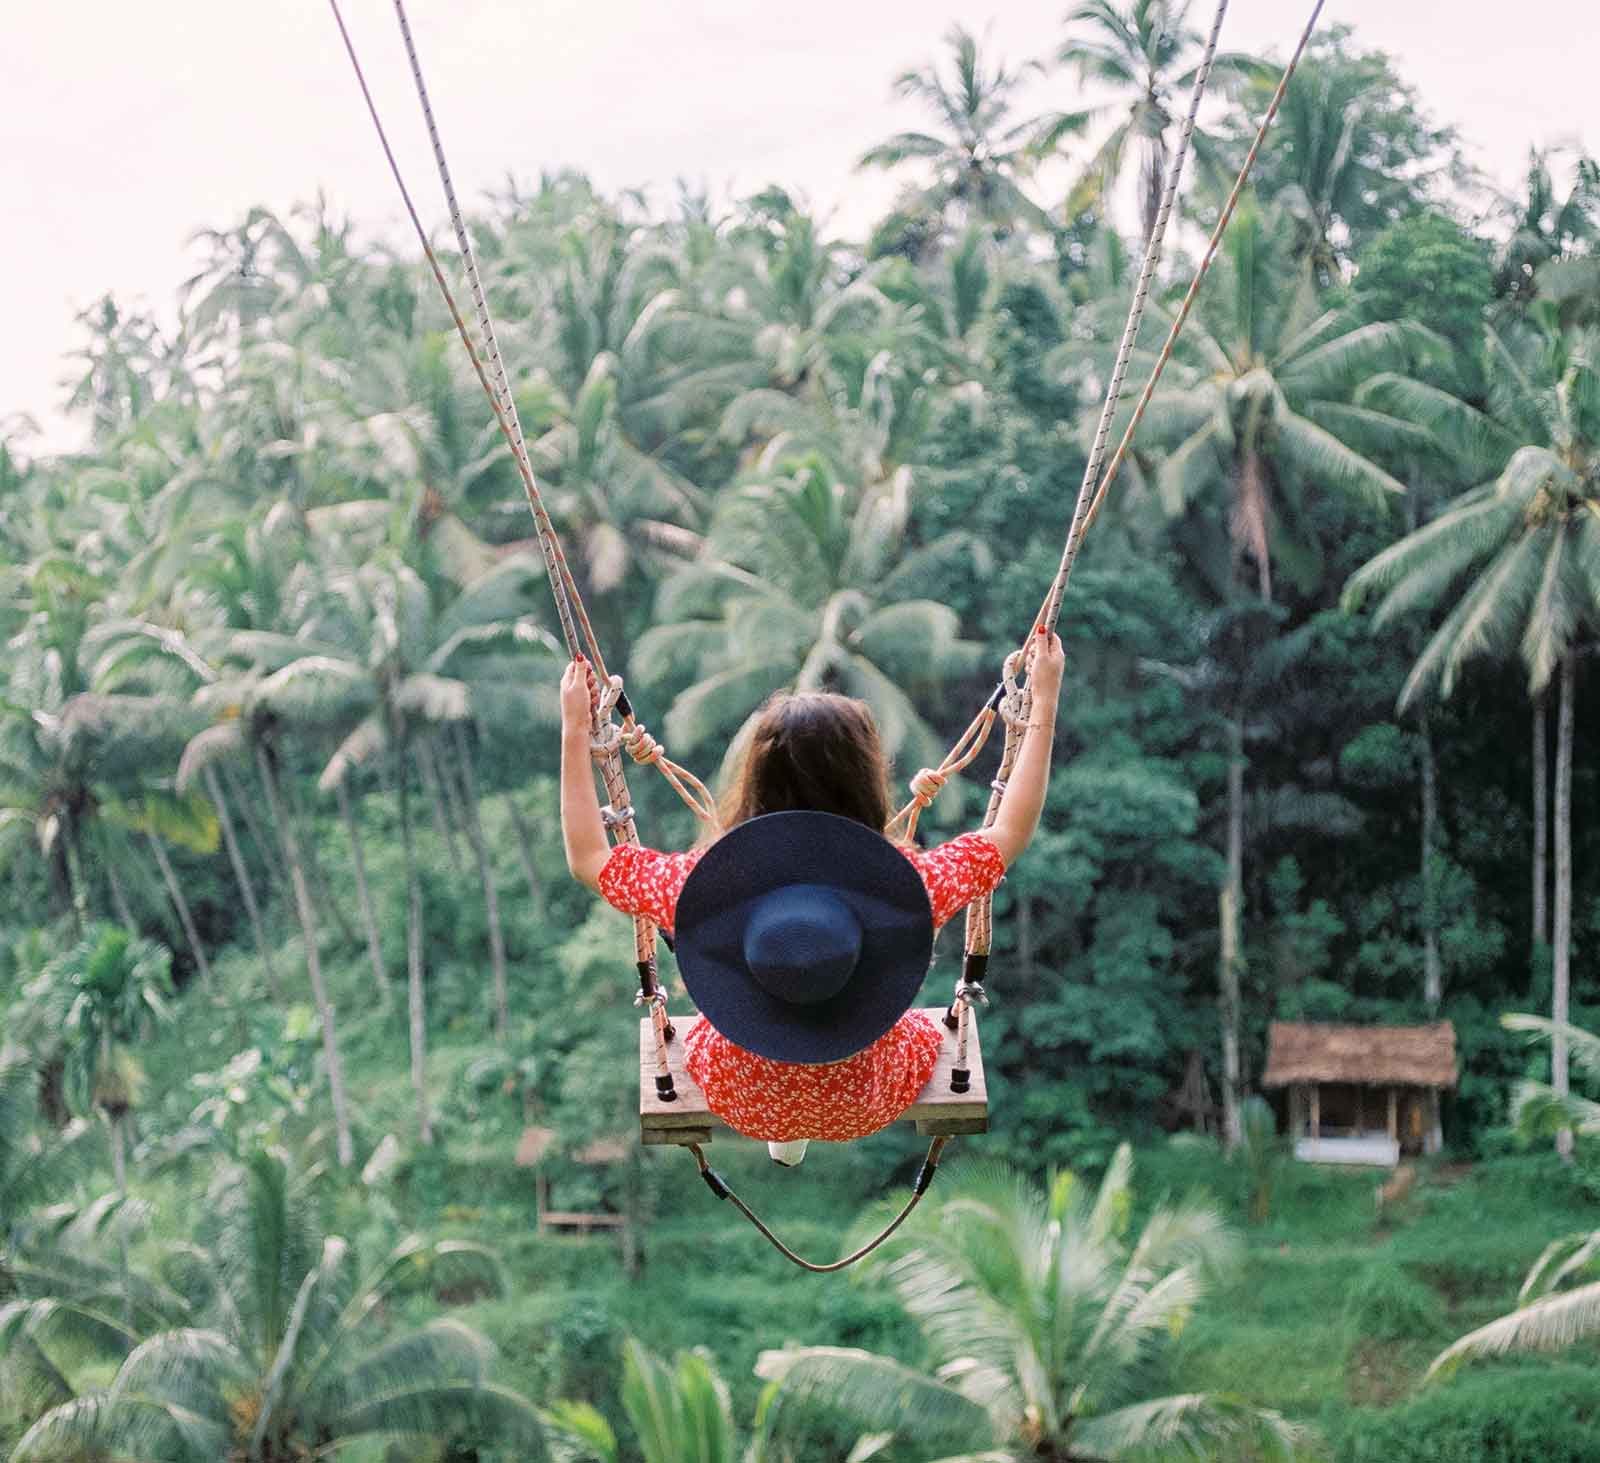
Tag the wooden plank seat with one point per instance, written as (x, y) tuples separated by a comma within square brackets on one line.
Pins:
[(937, 1110), (579, 1220)]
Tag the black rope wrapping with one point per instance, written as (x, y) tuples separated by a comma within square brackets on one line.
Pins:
[(719, 1186)]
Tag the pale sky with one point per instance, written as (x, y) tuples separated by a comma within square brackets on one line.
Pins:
[(124, 128)]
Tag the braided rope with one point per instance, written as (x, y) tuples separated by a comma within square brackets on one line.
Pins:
[(1130, 329), (719, 1187), (1193, 293), (1050, 609)]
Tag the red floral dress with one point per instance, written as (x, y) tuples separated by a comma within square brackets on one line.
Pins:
[(782, 1101)]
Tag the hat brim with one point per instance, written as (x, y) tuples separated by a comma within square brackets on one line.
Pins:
[(866, 871)]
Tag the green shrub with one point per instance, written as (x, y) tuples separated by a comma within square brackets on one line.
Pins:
[(1387, 1303), (1526, 1414)]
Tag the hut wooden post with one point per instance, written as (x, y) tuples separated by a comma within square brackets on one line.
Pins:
[(1394, 1116), (1434, 1140), (1297, 1109), (1316, 1110)]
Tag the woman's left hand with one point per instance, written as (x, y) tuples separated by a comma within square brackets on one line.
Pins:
[(577, 698)]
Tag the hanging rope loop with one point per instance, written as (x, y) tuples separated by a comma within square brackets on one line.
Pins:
[(719, 1186)]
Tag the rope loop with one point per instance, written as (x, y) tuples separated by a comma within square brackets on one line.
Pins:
[(927, 785), (640, 745), (609, 698)]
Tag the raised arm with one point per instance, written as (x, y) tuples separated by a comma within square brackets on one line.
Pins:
[(1023, 800), (583, 831)]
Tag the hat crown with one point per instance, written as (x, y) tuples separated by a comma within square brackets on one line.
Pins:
[(802, 943)]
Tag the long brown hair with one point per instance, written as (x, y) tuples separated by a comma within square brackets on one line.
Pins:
[(812, 752)]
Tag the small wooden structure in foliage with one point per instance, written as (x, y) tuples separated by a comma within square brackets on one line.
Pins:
[(535, 1146), (1362, 1094)]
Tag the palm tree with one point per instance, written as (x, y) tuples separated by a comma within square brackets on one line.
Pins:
[(1352, 151), (90, 1003), (1042, 1314), (1559, 1302), (981, 155), (244, 729), (1146, 52), (1519, 556), (681, 1413), (808, 583), (1546, 228), (378, 663), (290, 1354), (1261, 422)]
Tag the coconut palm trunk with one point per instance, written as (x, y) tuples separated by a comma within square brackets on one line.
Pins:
[(241, 876), (115, 1118), (119, 896), (185, 918), (369, 917), (266, 847), (308, 929), (414, 994), (77, 890), (1541, 824), (1561, 933), (428, 771), (1432, 966), (321, 886), (1230, 955), (491, 894), (530, 871)]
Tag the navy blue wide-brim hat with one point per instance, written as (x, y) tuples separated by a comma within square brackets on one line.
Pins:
[(803, 936)]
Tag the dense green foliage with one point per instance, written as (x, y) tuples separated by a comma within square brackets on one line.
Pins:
[(290, 968)]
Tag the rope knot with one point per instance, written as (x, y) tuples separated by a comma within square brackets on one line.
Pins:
[(640, 745), (927, 785), (604, 743)]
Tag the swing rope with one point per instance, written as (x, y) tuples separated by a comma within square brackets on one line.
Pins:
[(1016, 700), (719, 1186), (1012, 700)]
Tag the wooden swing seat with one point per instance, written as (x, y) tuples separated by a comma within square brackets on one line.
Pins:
[(937, 1112)]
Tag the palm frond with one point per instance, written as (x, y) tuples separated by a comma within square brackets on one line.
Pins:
[(1551, 1324), (875, 1392)]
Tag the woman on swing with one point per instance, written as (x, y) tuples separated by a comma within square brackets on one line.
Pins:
[(803, 934)]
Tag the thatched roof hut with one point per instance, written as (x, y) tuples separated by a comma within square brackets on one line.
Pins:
[(1362, 1094), (1373, 1056)]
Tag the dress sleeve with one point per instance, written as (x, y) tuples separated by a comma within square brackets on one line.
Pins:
[(639, 880), (958, 872)]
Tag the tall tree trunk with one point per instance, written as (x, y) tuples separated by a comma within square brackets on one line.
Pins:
[(416, 1011), (1541, 824), (119, 896), (1561, 934), (241, 876), (369, 916), (321, 886), (491, 894), (308, 930), (530, 870), (77, 890), (1231, 955), (266, 848), (428, 771), (1432, 968), (179, 903)]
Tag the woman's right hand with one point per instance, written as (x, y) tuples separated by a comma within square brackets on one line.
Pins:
[(1047, 662), (577, 698)]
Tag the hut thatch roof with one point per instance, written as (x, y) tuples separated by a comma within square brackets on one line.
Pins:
[(535, 1143), (1374, 1056)]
